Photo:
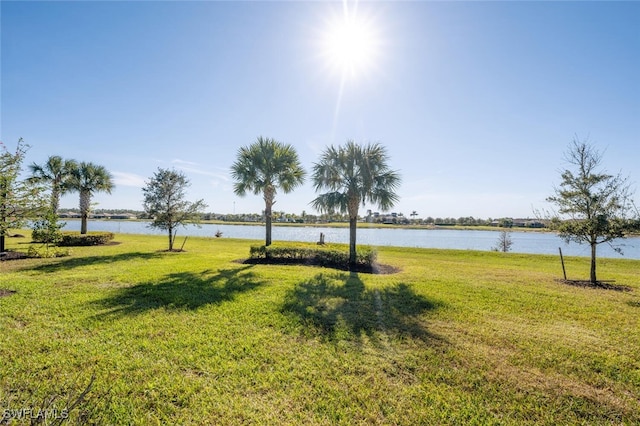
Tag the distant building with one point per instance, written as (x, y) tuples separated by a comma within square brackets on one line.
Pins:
[(122, 216), (118, 216), (518, 223)]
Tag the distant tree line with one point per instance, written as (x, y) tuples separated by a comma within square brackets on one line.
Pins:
[(594, 207), (279, 216)]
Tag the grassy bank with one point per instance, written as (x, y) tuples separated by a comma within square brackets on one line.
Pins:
[(456, 337)]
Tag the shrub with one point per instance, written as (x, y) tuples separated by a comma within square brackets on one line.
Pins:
[(47, 251), (70, 239), (47, 229), (257, 252), (39, 235), (328, 255)]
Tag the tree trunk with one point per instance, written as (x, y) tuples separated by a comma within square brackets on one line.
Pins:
[(353, 221), (593, 263), (85, 204), (267, 215), (83, 223), (170, 238), (2, 243), (269, 194), (55, 200), (352, 209)]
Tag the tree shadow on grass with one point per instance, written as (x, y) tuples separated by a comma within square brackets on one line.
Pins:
[(181, 290), (75, 262), (339, 307)]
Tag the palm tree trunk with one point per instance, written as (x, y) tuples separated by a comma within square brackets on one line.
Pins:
[(267, 214), (85, 204), (55, 200), (83, 223), (593, 263), (353, 221), (269, 193)]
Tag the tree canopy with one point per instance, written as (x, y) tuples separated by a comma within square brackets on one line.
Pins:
[(264, 167), (87, 179), (354, 175), (55, 173), (20, 200), (594, 207), (164, 202)]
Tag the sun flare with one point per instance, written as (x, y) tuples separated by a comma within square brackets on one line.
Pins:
[(350, 45)]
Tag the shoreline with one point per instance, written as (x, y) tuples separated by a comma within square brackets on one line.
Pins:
[(22, 232), (361, 225)]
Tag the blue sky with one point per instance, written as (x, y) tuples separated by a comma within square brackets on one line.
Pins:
[(475, 101)]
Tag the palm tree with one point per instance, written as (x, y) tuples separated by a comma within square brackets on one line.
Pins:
[(56, 172), (354, 175), (264, 167), (88, 178)]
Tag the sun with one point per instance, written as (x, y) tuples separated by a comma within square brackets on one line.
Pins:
[(350, 44)]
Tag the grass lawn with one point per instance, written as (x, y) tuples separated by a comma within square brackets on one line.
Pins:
[(456, 337)]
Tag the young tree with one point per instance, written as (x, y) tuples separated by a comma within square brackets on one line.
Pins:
[(504, 242), (47, 228), (264, 167), (594, 207), (354, 175), (20, 200), (164, 201), (87, 179)]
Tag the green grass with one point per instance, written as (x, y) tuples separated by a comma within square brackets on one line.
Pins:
[(456, 337)]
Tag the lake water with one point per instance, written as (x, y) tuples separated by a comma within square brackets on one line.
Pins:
[(523, 242)]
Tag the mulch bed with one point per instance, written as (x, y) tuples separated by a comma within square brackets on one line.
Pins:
[(377, 268), (598, 285), (12, 255), (4, 292)]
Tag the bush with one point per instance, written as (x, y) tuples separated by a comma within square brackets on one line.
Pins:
[(71, 239), (47, 229), (328, 255), (46, 252), (39, 235)]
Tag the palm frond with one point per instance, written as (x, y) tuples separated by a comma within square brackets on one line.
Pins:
[(265, 164), (357, 172)]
